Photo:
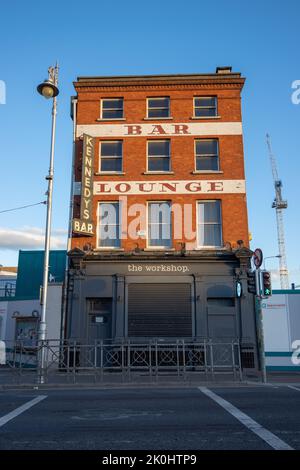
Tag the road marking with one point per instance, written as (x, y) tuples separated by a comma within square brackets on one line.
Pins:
[(255, 427), (13, 414), (294, 388)]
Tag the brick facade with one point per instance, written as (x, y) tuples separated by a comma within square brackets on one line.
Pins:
[(181, 90)]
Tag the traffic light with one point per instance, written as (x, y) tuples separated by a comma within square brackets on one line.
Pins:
[(251, 281), (266, 283)]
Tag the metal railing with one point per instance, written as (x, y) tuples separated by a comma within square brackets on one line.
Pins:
[(126, 359)]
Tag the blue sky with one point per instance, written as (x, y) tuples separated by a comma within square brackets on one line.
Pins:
[(259, 39)]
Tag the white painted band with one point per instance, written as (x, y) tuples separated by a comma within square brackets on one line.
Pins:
[(193, 187), (160, 129)]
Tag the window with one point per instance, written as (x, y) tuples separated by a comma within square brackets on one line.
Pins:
[(109, 225), (205, 106), (112, 108), (27, 331), (207, 155), (209, 227), (100, 305), (159, 225), (111, 156), (7, 287), (159, 155), (158, 107), (220, 302)]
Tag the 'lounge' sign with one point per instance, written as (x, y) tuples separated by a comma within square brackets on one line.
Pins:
[(169, 187), (84, 225)]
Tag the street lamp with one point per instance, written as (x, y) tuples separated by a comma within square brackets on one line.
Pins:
[(48, 89), (269, 257)]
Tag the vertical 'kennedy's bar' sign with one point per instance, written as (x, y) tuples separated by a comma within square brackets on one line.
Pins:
[(87, 178), (84, 225)]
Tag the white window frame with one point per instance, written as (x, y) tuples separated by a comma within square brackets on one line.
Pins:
[(100, 157), (151, 247), (110, 248), (204, 247), (158, 156), (206, 107), (111, 109), (207, 155), (159, 98)]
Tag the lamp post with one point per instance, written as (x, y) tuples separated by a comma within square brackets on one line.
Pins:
[(48, 89), (269, 257)]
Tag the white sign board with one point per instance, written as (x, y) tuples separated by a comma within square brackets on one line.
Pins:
[(160, 129), (169, 187), (276, 324)]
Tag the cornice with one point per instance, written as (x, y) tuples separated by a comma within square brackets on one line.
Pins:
[(126, 257), (94, 88)]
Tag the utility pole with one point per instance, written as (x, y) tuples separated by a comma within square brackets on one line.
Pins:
[(259, 284), (48, 89)]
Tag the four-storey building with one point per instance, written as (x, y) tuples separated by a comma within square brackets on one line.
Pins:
[(158, 228)]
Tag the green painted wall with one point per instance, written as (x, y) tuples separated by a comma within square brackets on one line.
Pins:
[(286, 291), (30, 271)]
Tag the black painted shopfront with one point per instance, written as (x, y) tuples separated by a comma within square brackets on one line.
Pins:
[(141, 297)]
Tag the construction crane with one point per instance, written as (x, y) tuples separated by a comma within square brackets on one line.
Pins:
[(279, 204)]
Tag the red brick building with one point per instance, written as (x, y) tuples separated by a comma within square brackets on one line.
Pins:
[(159, 225)]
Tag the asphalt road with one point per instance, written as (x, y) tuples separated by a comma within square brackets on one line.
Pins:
[(254, 417)]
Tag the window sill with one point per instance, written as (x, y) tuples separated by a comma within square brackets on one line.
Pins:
[(158, 173), (204, 117), (207, 172), (158, 119), (159, 249), (201, 248), (109, 249), (111, 119), (101, 173)]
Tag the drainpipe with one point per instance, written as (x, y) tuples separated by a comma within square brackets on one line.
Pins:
[(66, 280)]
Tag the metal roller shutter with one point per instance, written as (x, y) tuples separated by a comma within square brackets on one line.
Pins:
[(159, 310)]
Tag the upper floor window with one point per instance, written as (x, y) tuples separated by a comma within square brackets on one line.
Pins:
[(109, 225), (112, 108), (209, 224), (207, 154), (111, 156), (158, 107), (158, 155), (159, 224), (205, 106)]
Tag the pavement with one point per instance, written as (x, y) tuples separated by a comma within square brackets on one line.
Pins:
[(28, 378), (205, 417), (11, 379)]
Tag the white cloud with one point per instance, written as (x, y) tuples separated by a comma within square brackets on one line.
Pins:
[(294, 276), (275, 275), (30, 238)]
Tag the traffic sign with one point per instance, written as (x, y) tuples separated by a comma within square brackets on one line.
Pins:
[(258, 258)]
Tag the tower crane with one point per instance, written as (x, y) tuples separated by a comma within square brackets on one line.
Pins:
[(279, 204)]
